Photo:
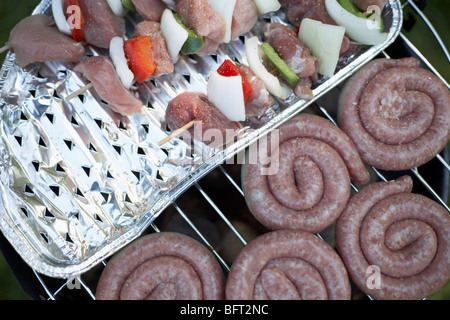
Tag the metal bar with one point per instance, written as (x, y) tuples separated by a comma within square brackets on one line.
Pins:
[(220, 213), (86, 288), (415, 171), (208, 245), (422, 57), (442, 160), (431, 27), (44, 286), (231, 180)]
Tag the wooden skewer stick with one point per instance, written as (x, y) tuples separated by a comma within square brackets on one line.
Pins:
[(176, 133), (6, 47), (79, 91)]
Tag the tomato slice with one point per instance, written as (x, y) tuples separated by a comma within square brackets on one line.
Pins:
[(75, 19), (139, 56), (229, 69)]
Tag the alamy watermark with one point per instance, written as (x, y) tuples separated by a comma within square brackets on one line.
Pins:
[(264, 151), (374, 277), (74, 17), (73, 284), (374, 18)]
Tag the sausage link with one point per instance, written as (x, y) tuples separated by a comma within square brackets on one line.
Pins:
[(397, 114), (394, 243), (310, 184), (162, 266), (287, 265)]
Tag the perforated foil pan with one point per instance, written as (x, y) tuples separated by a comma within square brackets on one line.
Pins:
[(78, 182)]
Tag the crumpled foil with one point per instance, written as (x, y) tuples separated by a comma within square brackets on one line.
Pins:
[(78, 181)]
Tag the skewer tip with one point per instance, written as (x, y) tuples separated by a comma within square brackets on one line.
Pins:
[(176, 133), (5, 48), (79, 91)]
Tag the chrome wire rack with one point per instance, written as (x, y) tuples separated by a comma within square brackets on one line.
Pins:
[(214, 210)]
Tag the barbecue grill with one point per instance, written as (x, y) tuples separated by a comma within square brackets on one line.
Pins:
[(213, 210)]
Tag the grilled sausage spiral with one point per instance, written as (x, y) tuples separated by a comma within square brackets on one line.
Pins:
[(310, 183), (162, 266), (287, 265), (397, 114)]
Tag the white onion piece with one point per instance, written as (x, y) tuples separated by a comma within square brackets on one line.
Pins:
[(227, 95), (272, 83), (60, 17), (324, 41), (117, 7), (358, 29), (119, 60), (174, 34), (225, 9), (266, 6)]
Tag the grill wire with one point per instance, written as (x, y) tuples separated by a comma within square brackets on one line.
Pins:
[(198, 212)]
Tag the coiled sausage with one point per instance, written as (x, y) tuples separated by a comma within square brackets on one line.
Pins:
[(287, 265), (395, 244), (397, 114), (309, 183), (162, 266)]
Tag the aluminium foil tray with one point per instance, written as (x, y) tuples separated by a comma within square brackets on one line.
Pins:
[(78, 182)]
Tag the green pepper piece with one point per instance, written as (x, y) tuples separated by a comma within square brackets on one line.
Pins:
[(194, 41), (129, 5), (291, 77), (350, 6)]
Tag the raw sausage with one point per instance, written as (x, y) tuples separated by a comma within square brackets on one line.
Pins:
[(397, 114), (162, 266), (287, 265), (395, 244), (308, 183)]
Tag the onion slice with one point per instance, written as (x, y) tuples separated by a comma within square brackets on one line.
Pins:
[(227, 95), (272, 83), (225, 9), (266, 6), (174, 34), (358, 29), (60, 17), (324, 41), (120, 62)]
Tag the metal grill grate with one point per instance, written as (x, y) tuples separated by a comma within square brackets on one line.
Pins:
[(204, 208)]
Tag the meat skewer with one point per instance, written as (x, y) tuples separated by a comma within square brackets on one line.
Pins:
[(33, 39), (313, 9), (101, 24), (298, 57), (100, 71), (150, 10), (213, 128), (208, 23)]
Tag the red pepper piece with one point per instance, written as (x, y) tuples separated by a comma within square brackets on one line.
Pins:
[(228, 69), (139, 56), (75, 19)]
